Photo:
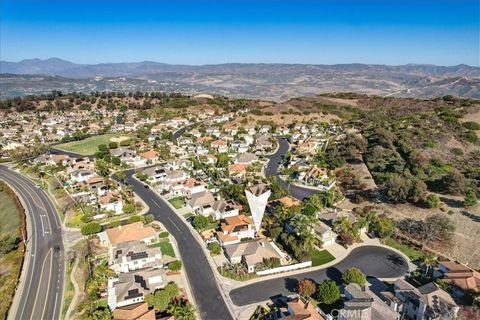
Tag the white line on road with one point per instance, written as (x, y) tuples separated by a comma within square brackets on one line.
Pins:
[(174, 224)]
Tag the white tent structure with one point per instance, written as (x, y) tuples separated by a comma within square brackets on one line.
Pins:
[(257, 206)]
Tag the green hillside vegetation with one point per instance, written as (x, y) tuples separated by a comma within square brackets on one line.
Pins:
[(11, 248)]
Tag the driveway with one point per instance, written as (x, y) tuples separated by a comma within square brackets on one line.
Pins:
[(374, 261)]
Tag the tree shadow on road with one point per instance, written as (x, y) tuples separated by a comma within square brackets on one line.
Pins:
[(396, 260), (334, 274), (291, 284)]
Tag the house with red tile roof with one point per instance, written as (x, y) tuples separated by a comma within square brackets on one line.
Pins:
[(462, 278), (235, 228)]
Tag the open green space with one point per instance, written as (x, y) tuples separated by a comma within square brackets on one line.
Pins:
[(10, 256), (89, 145), (177, 202), (410, 252), (321, 257), (165, 246), (9, 215)]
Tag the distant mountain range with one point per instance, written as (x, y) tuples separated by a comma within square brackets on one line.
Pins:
[(252, 80)]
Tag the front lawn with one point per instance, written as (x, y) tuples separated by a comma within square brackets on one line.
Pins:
[(89, 145), (410, 252), (165, 247), (177, 202), (320, 257)]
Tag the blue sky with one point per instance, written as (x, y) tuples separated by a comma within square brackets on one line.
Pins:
[(206, 32)]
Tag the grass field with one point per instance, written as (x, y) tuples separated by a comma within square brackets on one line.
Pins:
[(90, 145), (410, 252), (11, 262), (321, 257), (165, 247), (177, 202), (8, 215)]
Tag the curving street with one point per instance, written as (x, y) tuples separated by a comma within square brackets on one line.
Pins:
[(208, 297), (374, 261), (272, 170), (40, 292)]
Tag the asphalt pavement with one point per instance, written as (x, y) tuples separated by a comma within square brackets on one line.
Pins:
[(272, 170), (41, 292), (208, 298), (374, 261)]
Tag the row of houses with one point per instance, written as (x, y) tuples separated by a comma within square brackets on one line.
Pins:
[(138, 268)]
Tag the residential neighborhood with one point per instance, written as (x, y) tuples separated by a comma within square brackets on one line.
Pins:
[(259, 202)]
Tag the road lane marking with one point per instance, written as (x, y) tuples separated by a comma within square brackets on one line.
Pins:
[(174, 224), (48, 287), (24, 194), (43, 198), (39, 284)]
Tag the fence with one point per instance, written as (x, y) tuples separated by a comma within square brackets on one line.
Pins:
[(285, 268)]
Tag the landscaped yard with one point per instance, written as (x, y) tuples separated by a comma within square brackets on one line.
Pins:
[(165, 247), (90, 145), (188, 215), (177, 202), (410, 252), (321, 257)]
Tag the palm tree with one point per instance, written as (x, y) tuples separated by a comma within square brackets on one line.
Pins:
[(362, 223), (428, 260), (309, 242), (342, 225), (182, 310), (301, 223), (282, 212)]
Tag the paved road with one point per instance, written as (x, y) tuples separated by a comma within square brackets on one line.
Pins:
[(177, 134), (272, 170), (208, 298), (374, 261), (41, 297)]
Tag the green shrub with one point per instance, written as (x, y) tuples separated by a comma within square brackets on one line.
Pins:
[(142, 176), (471, 136), (214, 248), (328, 292), (113, 145), (149, 218), (175, 265), (114, 224), (354, 275), (136, 218), (163, 234), (91, 228), (457, 151), (433, 201), (472, 125)]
